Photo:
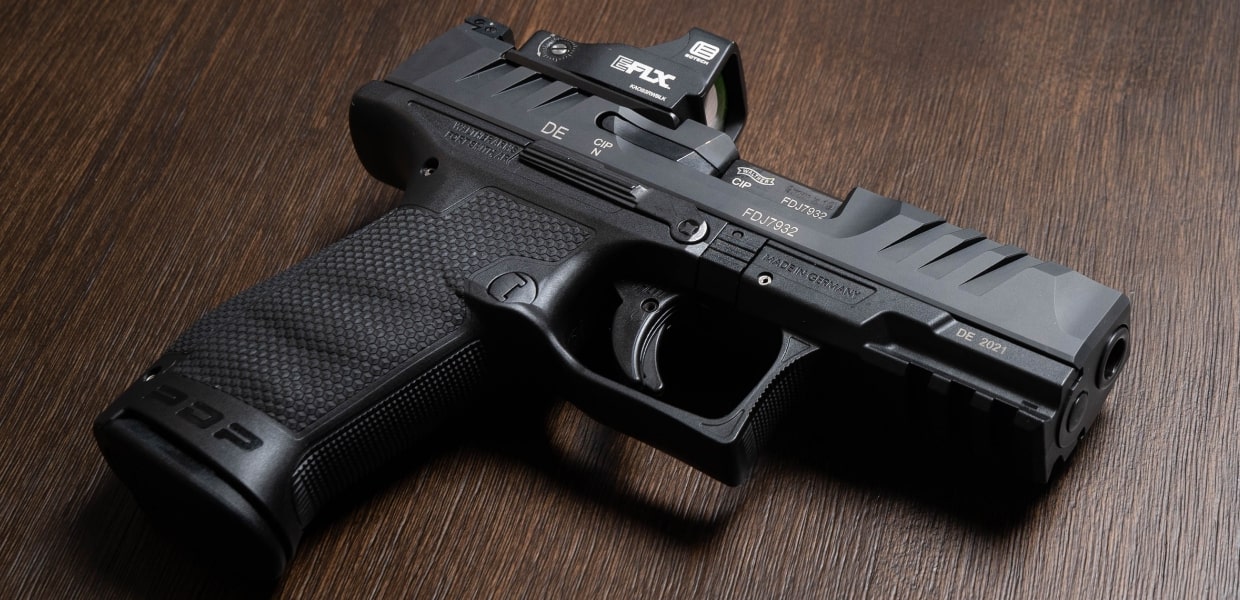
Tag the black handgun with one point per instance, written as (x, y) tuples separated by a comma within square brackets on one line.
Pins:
[(582, 207)]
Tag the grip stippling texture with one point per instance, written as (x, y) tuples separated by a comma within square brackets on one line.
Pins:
[(298, 345)]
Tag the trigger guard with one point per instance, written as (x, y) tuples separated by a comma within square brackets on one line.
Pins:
[(637, 329)]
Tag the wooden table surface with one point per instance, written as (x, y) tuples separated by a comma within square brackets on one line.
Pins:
[(159, 157)]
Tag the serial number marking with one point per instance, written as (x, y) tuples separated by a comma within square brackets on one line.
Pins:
[(776, 225), (983, 341), (804, 207)]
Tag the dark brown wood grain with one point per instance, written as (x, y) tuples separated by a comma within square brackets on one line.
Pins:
[(157, 158)]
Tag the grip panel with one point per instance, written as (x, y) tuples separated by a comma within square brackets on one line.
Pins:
[(299, 345), (387, 428), (304, 384)]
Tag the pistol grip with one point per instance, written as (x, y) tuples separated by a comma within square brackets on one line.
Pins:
[(292, 392)]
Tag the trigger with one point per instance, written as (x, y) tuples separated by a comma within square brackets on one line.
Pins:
[(638, 326)]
